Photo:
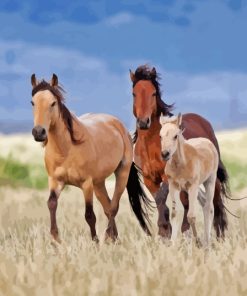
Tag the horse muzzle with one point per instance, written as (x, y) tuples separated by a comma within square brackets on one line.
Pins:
[(165, 155), (39, 133), (143, 124)]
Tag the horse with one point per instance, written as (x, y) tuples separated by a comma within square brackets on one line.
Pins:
[(147, 108), (83, 152), (189, 164)]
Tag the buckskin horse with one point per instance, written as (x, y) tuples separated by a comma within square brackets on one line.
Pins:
[(147, 108), (83, 152)]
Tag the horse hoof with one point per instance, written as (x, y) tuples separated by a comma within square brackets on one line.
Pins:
[(198, 243), (95, 239), (185, 227), (165, 231), (110, 237), (56, 239)]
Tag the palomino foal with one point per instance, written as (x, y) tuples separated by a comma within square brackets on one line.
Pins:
[(83, 152), (190, 163)]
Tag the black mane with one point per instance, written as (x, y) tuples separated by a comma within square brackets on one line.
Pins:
[(144, 72)]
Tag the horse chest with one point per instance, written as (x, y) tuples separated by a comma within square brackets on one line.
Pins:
[(147, 157), (65, 172), (180, 178)]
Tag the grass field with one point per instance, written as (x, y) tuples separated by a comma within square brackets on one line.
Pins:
[(31, 265)]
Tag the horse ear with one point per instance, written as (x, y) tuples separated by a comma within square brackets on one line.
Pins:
[(153, 72), (132, 76), (54, 80), (179, 120), (33, 80)]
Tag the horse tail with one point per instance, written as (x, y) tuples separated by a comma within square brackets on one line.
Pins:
[(220, 217), (139, 201), (222, 175)]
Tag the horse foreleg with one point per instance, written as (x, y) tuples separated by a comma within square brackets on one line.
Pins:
[(172, 195), (185, 202), (165, 228), (193, 194), (55, 191), (90, 217)]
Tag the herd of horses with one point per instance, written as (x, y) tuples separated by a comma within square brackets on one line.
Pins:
[(173, 156)]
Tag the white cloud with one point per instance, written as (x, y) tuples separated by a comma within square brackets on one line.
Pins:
[(119, 19), (92, 86)]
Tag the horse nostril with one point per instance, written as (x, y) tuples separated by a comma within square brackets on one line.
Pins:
[(34, 132), (43, 132), (165, 155), (148, 121)]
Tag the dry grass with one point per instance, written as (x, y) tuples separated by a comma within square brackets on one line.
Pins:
[(31, 265)]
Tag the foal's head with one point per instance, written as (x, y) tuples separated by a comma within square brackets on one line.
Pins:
[(46, 101), (147, 96), (170, 133)]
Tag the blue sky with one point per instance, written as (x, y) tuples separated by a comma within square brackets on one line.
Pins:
[(198, 46)]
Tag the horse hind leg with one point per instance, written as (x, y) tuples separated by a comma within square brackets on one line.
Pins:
[(89, 212), (122, 174), (102, 195), (208, 209)]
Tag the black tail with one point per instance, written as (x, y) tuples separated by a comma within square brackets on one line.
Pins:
[(220, 217), (139, 201), (222, 175)]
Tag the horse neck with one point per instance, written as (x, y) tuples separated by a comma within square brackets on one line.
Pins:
[(153, 130), (179, 156), (59, 139)]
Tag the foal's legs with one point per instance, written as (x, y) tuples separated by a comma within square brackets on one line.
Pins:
[(208, 209), (193, 193), (55, 191), (172, 195), (102, 195), (185, 202), (87, 188)]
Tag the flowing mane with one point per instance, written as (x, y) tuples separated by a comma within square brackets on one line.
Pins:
[(66, 115), (144, 72)]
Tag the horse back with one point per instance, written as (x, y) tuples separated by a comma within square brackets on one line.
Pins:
[(196, 126)]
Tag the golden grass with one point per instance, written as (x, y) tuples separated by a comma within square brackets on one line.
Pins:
[(31, 265)]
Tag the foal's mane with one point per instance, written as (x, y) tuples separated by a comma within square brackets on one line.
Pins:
[(144, 72), (66, 115)]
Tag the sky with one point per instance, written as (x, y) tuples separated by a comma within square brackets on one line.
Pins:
[(198, 46)]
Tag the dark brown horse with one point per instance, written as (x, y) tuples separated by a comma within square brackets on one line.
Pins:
[(147, 108)]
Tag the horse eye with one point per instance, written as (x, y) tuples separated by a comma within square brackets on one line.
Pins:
[(175, 138), (32, 103), (154, 94), (53, 104)]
